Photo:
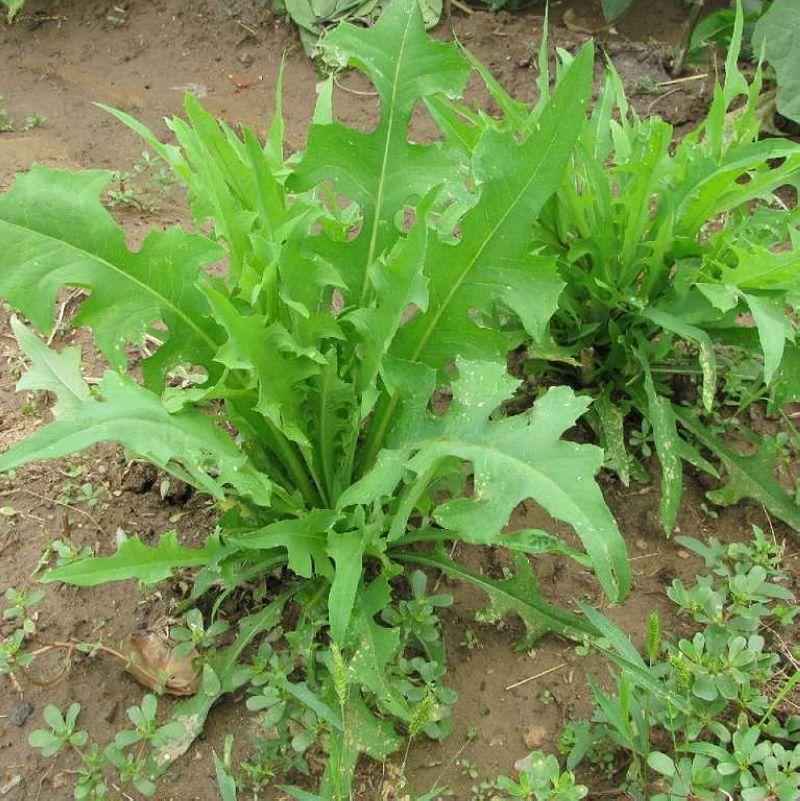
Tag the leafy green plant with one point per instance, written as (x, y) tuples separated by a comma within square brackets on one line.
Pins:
[(730, 739), (97, 763), (771, 31), (33, 121), (540, 779), (143, 186), (355, 299), (20, 605), (61, 731), (778, 33), (675, 262), (13, 7)]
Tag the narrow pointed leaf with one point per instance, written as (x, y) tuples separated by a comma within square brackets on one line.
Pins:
[(136, 418), (749, 476), (346, 550), (135, 560)]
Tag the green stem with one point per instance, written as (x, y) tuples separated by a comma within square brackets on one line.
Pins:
[(287, 453), (791, 426), (377, 433), (785, 690)]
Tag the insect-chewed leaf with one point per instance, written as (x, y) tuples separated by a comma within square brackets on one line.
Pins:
[(186, 443), (55, 232), (493, 261), (374, 646), (59, 373), (612, 436), (513, 459), (661, 415), (381, 169), (707, 358)]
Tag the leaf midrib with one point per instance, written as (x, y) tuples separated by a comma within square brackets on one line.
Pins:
[(163, 301), (373, 242), (49, 358), (543, 160)]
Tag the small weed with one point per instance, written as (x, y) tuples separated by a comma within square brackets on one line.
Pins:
[(143, 186), (470, 641), (33, 121), (116, 18), (539, 778), (21, 603), (65, 553), (81, 492), (647, 85)]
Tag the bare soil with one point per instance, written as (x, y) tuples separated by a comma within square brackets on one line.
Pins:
[(57, 61)]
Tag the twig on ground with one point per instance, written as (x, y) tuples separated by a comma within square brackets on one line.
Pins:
[(685, 79), (537, 676), (65, 504)]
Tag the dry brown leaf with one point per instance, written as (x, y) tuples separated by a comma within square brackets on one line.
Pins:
[(154, 664)]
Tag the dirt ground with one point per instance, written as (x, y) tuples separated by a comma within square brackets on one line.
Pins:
[(57, 61)]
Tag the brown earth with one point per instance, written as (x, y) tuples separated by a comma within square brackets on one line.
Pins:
[(59, 59)]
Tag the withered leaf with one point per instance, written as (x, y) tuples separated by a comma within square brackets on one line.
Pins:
[(153, 663)]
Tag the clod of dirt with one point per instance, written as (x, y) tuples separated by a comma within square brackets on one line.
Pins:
[(154, 664), (535, 735), (20, 714)]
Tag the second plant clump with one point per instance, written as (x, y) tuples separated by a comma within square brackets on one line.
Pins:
[(340, 389)]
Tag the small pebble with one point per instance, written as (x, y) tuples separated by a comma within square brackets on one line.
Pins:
[(21, 713), (641, 545), (681, 554)]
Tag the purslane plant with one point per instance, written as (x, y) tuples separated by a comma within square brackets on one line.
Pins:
[(734, 738), (677, 262), (296, 386)]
